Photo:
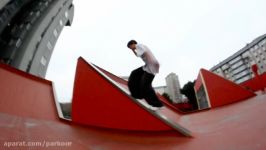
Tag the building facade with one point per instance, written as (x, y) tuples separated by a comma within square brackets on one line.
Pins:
[(237, 67), (161, 89), (28, 43), (173, 88)]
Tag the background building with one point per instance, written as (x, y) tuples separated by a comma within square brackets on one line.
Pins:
[(29, 30), (237, 67), (161, 89), (173, 87)]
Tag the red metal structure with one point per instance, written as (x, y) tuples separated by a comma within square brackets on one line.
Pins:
[(107, 104), (220, 91), (255, 84), (25, 95), (238, 125)]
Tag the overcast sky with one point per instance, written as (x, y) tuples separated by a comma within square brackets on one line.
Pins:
[(184, 35)]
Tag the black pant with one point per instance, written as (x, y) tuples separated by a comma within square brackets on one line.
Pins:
[(140, 86)]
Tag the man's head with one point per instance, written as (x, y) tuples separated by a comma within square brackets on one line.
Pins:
[(132, 44)]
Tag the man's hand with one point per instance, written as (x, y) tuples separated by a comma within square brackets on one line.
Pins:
[(134, 52)]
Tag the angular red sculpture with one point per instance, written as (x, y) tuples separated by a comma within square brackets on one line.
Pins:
[(27, 113), (214, 91), (98, 102), (25, 95)]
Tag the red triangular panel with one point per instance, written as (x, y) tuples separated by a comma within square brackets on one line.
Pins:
[(97, 102), (222, 91), (26, 95)]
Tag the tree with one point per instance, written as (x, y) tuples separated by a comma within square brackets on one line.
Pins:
[(188, 91)]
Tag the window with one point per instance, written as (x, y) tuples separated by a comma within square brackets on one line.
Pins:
[(261, 43), (49, 45), (243, 79), (66, 14), (243, 73), (55, 33), (224, 67), (43, 61), (18, 43), (61, 22), (239, 69), (251, 49), (237, 64), (246, 54), (264, 41), (235, 60)]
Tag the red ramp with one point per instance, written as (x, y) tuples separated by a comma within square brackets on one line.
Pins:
[(25, 95), (100, 101), (214, 91), (235, 126)]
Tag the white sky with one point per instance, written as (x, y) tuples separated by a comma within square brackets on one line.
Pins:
[(184, 35)]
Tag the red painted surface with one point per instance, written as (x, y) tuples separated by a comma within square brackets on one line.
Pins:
[(255, 70), (255, 84), (222, 91), (198, 83), (25, 95), (182, 108), (235, 126), (97, 102), (113, 77)]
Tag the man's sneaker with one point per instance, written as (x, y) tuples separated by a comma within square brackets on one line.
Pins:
[(155, 108)]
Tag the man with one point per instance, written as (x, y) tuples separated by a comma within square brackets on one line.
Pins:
[(140, 80)]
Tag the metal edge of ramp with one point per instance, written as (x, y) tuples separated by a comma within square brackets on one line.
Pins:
[(57, 104), (157, 114)]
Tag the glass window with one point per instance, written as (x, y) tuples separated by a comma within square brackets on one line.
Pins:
[(245, 72), (264, 41), (43, 61), (55, 33), (246, 54), (235, 60), (61, 22), (243, 79), (252, 49), (66, 14), (237, 64), (243, 67), (49, 45), (18, 43), (224, 67), (261, 43)]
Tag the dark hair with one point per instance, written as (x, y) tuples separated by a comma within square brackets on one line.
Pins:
[(131, 42)]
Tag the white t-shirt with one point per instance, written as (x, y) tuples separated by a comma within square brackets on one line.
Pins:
[(151, 63)]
